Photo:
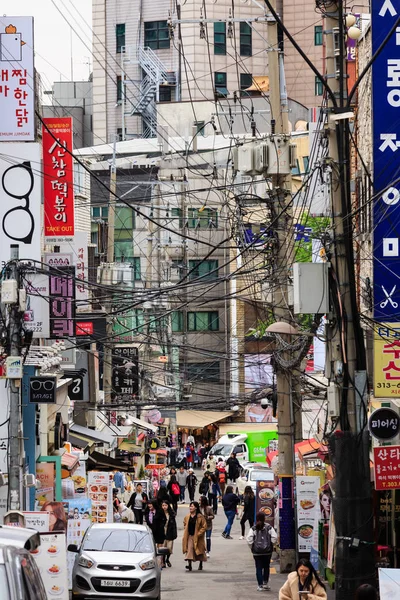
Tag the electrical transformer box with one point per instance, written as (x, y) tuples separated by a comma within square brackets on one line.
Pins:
[(311, 289)]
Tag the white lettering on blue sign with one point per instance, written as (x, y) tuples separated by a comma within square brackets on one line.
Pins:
[(387, 6), (391, 196), (389, 141)]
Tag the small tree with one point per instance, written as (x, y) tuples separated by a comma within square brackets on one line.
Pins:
[(142, 474)]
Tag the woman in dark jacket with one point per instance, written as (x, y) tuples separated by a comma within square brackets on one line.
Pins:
[(174, 491), (191, 482), (165, 530), (233, 467), (150, 512), (214, 492), (249, 506), (230, 503)]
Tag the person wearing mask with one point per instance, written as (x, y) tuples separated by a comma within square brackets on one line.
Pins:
[(174, 491), (233, 467), (214, 492), (191, 482), (138, 502), (165, 530), (181, 478), (261, 539), (193, 541), (209, 516), (221, 475), (230, 503), (150, 513), (249, 507), (303, 579)]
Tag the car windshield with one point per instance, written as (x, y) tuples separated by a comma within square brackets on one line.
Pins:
[(223, 449), (118, 540), (266, 475), (5, 592)]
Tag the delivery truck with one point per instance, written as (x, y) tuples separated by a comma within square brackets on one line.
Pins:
[(249, 446)]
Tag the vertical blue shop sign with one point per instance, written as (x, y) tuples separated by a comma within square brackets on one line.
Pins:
[(386, 156)]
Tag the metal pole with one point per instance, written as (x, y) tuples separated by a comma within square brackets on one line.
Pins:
[(108, 346), (15, 392)]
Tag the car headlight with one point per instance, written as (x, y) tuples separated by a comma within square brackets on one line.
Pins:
[(148, 564), (85, 562)]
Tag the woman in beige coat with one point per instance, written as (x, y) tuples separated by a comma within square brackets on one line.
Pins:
[(303, 584), (193, 542)]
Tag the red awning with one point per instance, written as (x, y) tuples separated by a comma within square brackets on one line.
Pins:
[(159, 451), (301, 449), (141, 437)]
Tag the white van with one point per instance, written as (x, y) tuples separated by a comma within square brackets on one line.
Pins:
[(231, 443)]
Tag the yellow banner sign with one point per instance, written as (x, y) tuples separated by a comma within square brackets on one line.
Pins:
[(387, 360)]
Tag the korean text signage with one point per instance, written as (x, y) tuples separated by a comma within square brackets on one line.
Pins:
[(386, 155), (125, 382), (42, 390), (384, 424), (387, 360), (62, 302), (20, 199), (17, 85), (265, 500), (36, 316), (387, 467), (307, 506), (58, 179)]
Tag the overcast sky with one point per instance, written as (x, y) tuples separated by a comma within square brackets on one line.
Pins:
[(53, 36)]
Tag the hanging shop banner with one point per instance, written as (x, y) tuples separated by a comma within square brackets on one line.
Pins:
[(76, 389), (79, 247), (265, 492), (36, 315), (307, 505), (4, 435), (62, 302), (20, 200), (79, 514), (42, 390), (125, 373), (100, 494), (330, 560), (384, 424), (75, 487), (51, 558), (387, 360), (39, 520), (386, 144), (58, 259), (58, 176), (17, 89), (387, 467)]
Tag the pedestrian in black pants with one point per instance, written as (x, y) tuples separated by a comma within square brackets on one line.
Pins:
[(174, 491), (137, 502), (191, 482), (214, 492), (261, 539), (233, 467), (249, 506)]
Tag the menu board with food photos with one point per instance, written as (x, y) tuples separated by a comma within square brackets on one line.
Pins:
[(79, 514), (51, 559), (100, 493), (307, 504), (265, 500)]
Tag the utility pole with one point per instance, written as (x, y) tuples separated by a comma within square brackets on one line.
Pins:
[(108, 346), (15, 323), (281, 198)]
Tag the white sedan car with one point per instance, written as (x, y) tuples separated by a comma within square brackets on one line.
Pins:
[(250, 474)]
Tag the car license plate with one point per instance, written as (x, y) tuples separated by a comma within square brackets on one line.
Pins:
[(114, 583)]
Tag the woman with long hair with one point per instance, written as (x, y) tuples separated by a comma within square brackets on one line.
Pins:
[(249, 508), (303, 579), (58, 518), (165, 530), (261, 539), (230, 503), (214, 492), (174, 492), (325, 502), (209, 516), (193, 541)]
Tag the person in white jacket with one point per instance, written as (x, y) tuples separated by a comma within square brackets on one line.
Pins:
[(261, 539)]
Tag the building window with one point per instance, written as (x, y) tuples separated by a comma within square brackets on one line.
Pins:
[(200, 127), (178, 266), (164, 93), (296, 169), (318, 35), (203, 321), (156, 35), (119, 134), (176, 214), (220, 85), (246, 80), (177, 320), (124, 220), (137, 320), (306, 164), (207, 371), (219, 38), (120, 35), (319, 88), (119, 88), (245, 40), (100, 212), (202, 219), (206, 269)]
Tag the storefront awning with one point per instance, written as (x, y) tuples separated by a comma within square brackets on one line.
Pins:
[(197, 419), (80, 442), (260, 84), (159, 452), (97, 460), (130, 446), (69, 461), (143, 424), (93, 435)]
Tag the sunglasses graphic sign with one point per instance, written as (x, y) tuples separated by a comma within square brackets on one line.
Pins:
[(42, 390)]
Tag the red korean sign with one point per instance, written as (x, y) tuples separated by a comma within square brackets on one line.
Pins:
[(58, 179), (387, 467)]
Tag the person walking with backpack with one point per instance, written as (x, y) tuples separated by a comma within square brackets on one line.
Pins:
[(230, 503), (249, 508), (174, 491), (261, 539), (191, 482)]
